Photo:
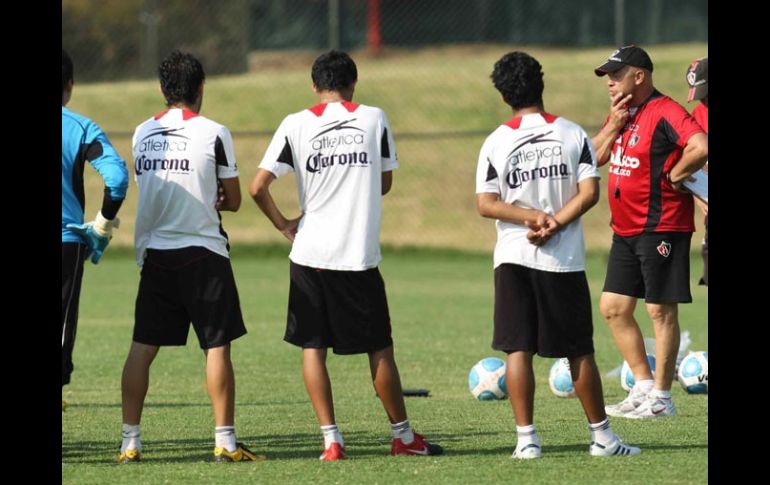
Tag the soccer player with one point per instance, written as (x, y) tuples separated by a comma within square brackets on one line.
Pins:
[(537, 176), (82, 140), (342, 155), (653, 145), (185, 170), (698, 81)]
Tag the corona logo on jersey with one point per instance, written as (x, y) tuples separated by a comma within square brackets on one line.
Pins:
[(547, 160), (170, 141), (177, 165), (319, 161), (517, 176), (343, 141)]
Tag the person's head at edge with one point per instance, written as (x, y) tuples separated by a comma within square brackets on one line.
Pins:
[(67, 77), (698, 80)]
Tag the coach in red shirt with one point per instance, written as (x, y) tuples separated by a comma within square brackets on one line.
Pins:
[(653, 145)]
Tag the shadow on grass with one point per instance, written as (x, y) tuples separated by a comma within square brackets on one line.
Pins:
[(305, 446), (277, 447)]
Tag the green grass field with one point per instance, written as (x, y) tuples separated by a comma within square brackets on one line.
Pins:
[(423, 91), (441, 307)]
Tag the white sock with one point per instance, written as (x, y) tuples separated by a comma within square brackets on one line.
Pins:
[(332, 435), (224, 436), (526, 435), (658, 394), (131, 438), (644, 386), (403, 432), (601, 432)]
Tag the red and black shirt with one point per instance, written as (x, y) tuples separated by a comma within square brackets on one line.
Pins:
[(701, 115), (646, 149)]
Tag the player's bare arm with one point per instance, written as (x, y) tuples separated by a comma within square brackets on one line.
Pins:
[(605, 139), (489, 205), (694, 157), (387, 182), (229, 195), (587, 196), (259, 189)]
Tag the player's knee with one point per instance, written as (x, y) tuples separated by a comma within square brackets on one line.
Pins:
[(613, 311)]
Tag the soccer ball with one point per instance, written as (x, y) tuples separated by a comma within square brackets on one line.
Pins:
[(560, 379), (627, 377), (486, 380), (694, 373)]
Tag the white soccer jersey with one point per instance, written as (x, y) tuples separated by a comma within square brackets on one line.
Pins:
[(178, 157), (535, 161), (337, 152)]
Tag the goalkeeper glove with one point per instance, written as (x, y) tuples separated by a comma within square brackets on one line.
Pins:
[(96, 233)]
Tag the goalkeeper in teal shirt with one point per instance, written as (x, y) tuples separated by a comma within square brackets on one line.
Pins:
[(82, 140)]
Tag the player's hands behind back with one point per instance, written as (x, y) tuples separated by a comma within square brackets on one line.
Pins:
[(542, 228)]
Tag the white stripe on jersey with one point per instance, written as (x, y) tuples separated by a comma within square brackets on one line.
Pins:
[(178, 157), (537, 165), (338, 152)]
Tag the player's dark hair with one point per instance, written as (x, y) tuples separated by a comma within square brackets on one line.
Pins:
[(519, 78), (181, 76), (334, 71), (67, 71)]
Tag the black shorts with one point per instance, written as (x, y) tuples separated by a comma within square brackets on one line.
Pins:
[(345, 310), (73, 256), (542, 311), (179, 286), (653, 265)]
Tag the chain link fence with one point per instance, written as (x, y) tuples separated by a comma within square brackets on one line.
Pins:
[(427, 63)]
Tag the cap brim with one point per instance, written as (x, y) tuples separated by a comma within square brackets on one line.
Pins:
[(609, 66), (697, 92)]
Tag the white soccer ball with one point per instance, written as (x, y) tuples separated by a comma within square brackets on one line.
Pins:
[(627, 380), (693, 373), (560, 379), (486, 380)]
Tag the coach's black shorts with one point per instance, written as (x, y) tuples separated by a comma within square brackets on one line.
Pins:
[(653, 265), (345, 310), (179, 286), (542, 311)]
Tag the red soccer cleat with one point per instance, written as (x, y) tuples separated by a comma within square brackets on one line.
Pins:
[(334, 452), (417, 447)]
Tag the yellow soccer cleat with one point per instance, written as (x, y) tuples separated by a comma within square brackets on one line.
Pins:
[(241, 453), (131, 455)]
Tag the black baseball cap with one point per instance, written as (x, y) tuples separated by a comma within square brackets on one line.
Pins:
[(629, 55), (698, 79)]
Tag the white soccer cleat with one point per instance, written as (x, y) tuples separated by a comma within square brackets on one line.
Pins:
[(614, 448), (527, 453), (634, 399), (653, 408)]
